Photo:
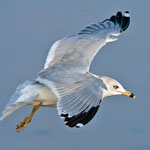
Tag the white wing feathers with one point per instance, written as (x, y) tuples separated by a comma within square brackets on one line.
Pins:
[(51, 54), (79, 50), (78, 95)]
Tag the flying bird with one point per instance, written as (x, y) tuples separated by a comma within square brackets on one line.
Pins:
[(66, 83)]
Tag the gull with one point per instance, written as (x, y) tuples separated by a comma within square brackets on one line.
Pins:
[(66, 83)]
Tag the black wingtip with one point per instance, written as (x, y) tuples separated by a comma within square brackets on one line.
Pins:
[(122, 20), (126, 20), (80, 119), (127, 12), (119, 14)]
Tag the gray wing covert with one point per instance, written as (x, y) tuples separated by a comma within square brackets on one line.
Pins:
[(79, 50), (79, 97)]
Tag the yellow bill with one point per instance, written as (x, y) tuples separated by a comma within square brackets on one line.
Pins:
[(127, 93)]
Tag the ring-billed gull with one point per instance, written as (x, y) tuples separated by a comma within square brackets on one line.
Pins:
[(66, 81)]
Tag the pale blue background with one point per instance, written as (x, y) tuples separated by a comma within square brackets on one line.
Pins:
[(27, 30)]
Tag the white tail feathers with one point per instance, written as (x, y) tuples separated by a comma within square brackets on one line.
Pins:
[(24, 94), (10, 110)]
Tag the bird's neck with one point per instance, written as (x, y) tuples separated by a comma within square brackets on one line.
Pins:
[(107, 93)]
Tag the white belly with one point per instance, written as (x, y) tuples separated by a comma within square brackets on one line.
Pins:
[(45, 96)]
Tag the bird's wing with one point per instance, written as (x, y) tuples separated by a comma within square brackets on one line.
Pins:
[(79, 96), (79, 50)]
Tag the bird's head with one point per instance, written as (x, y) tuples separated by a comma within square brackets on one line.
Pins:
[(114, 88)]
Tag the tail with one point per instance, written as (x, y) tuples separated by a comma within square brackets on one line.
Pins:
[(24, 94)]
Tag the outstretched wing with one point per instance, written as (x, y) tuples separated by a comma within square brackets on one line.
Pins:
[(79, 50), (79, 96)]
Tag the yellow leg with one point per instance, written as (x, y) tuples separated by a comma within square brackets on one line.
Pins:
[(22, 124)]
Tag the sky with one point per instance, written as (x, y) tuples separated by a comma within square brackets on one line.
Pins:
[(28, 29)]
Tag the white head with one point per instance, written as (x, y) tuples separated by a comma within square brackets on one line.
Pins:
[(114, 88)]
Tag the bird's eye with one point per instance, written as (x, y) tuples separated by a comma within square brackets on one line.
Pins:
[(116, 86)]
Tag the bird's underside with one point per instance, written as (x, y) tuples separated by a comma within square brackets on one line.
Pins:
[(44, 98), (65, 82)]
